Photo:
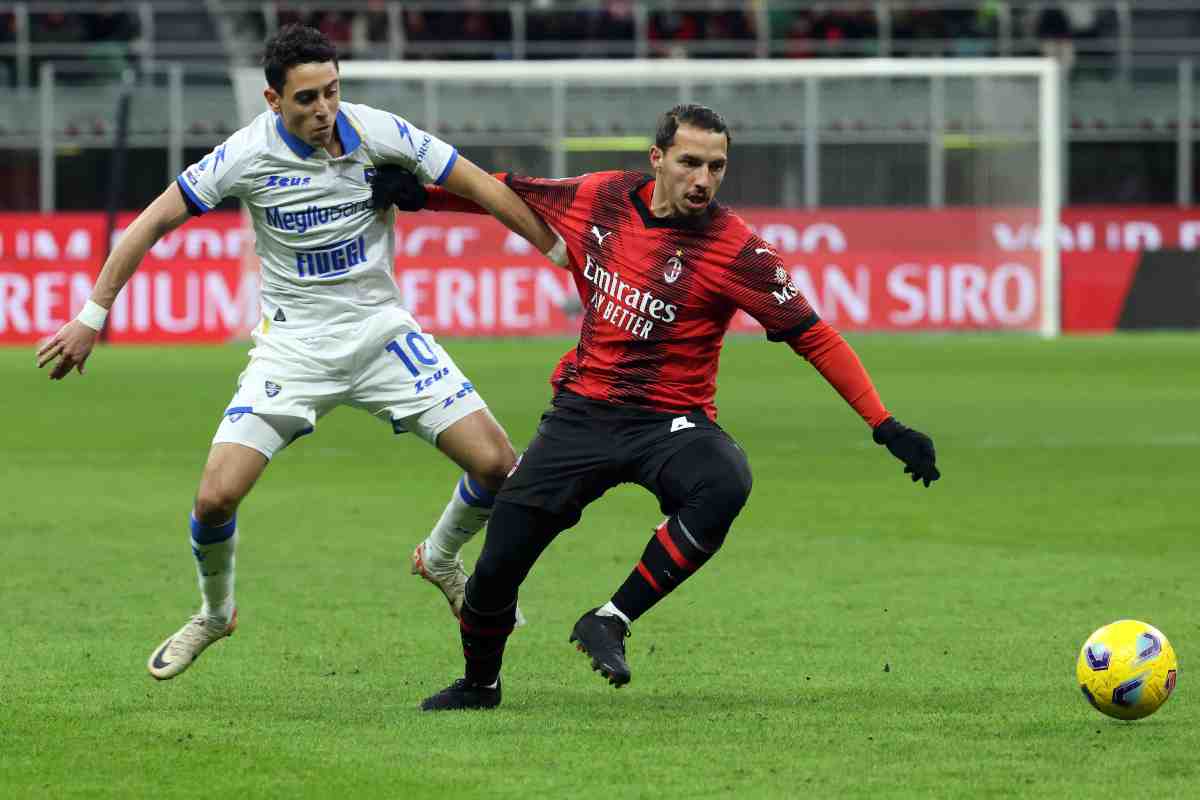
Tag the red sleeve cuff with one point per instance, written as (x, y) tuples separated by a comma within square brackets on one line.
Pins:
[(439, 199), (824, 348)]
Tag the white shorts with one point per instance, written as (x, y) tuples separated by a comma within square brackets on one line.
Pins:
[(385, 365)]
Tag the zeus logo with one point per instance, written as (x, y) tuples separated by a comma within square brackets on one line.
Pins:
[(284, 181), (600, 237), (403, 128), (218, 154)]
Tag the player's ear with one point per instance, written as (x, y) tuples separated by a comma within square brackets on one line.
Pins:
[(272, 97), (656, 157)]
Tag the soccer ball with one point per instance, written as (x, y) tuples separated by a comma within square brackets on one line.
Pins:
[(1127, 669)]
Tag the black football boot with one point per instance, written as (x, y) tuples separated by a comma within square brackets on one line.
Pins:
[(603, 639)]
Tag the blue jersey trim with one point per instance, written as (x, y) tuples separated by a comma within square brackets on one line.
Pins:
[(449, 166), (200, 205), (202, 534), (298, 146), (229, 412), (350, 138)]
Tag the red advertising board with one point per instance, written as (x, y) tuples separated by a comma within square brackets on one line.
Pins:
[(957, 269)]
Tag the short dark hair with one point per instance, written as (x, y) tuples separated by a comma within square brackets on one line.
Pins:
[(697, 116), (295, 44)]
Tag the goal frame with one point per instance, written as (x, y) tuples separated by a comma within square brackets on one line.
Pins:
[(556, 75)]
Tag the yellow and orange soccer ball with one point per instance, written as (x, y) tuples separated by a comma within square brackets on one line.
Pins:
[(1127, 670)]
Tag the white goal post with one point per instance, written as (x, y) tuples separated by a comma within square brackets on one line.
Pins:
[(541, 88)]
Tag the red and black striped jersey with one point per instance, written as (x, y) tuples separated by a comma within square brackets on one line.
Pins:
[(658, 293)]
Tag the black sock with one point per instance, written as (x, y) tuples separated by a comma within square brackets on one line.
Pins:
[(669, 559), (484, 635)]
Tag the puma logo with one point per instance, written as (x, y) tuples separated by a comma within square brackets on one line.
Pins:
[(600, 237)]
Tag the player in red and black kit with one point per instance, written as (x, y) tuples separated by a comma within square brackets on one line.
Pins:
[(661, 269)]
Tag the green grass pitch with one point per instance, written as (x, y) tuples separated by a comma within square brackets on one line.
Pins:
[(857, 636)]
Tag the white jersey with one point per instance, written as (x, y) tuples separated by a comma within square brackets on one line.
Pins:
[(327, 258)]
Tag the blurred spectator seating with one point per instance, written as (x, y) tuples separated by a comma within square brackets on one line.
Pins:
[(233, 30)]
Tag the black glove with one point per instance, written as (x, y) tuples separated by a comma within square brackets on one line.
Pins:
[(912, 447), (394, 185)]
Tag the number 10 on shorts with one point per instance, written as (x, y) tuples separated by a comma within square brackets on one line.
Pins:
[(418, 348)]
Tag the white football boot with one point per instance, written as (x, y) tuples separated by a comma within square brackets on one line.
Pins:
[(450, 577), (178, 652)]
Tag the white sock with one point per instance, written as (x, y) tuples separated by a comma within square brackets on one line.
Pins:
[(465, 515), (609, 610), (215, 569)]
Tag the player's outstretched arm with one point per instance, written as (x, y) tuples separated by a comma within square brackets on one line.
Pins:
[(469, 181), (760, 284), (396, 186), (74, 341), (837, 362)]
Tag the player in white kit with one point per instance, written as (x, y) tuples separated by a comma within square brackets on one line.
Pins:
[(333, 330)]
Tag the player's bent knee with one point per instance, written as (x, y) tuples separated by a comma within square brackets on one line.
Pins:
[(479, 445), (215, 504), (719, 470), (493, 463), (718, 480), (710, 513), (728, 495), (228, 477), (717, 509), (218, 498)]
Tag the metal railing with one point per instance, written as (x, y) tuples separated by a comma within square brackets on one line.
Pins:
[(186, 107), (1125, 37)]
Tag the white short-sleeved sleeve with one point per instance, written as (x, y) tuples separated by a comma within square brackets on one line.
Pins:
[(393, 140), (219, 174)]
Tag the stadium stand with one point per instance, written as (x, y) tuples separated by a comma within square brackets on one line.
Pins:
[(1122, 57), (216, 30)]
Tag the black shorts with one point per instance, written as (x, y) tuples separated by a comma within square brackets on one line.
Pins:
[(585, 447)]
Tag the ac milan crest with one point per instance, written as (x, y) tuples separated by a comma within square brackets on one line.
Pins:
[(673, 269)]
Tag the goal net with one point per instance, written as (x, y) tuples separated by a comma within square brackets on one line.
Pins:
[(909, 194)]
